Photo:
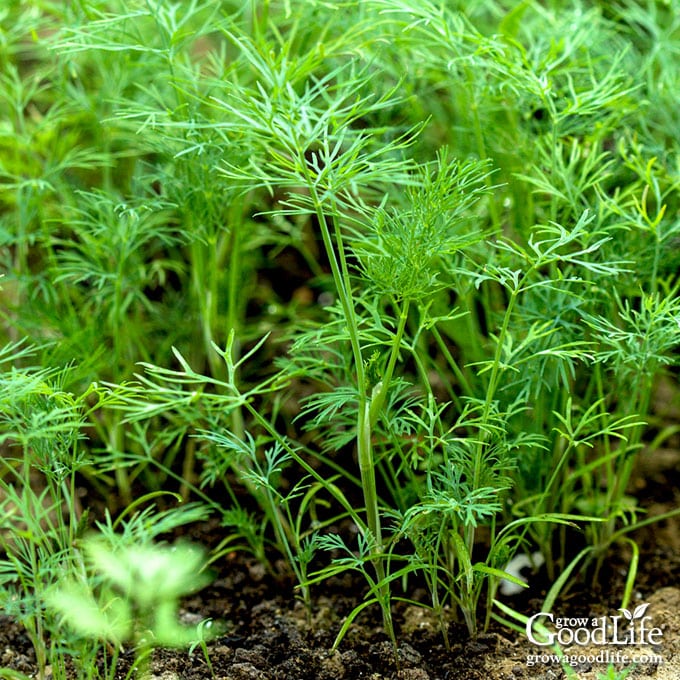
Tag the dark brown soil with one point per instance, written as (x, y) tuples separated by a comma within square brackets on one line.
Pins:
[(268, 635)]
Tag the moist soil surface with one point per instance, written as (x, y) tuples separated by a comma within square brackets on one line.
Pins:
[(267, 633)]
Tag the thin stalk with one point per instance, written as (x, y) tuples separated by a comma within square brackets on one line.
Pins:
[(378, 399), (441, 372), (289, 537), (367, 421), (553, 169), (624, 473), (336, 257), (453, 364), (259, 23), (117, 322), (233, 317), (390, 477), (490, 393), (482, 153), (203, 296), (312, 472)]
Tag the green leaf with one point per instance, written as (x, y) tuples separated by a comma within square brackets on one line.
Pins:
[(111, 619)]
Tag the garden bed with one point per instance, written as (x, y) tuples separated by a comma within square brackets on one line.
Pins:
[(316, 316), (268, 635)]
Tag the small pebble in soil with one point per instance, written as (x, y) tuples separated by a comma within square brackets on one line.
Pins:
[(246, 671), (413, 674)]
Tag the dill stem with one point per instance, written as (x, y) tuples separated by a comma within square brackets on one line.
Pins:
[(378, 400), (235, 273), (340, 273)]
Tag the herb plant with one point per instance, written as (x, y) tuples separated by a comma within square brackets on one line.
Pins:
[(132, 597), (475, 206)]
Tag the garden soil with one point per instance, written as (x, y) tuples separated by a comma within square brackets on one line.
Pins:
[(267, 633)]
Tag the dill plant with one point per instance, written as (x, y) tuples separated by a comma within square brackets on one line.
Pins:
[(489, 197), (39, 432), (42, 432), (131, 597), (392, 257)]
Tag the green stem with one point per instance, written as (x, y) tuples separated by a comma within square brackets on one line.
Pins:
[(233, 315), (453, 364), (116, 435), (482, 153), (336, 257), (625, 471), (493, 381), (259, 23), (378, 399), (470, 530)]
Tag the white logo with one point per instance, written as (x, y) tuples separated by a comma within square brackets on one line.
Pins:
[(630, 628)]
